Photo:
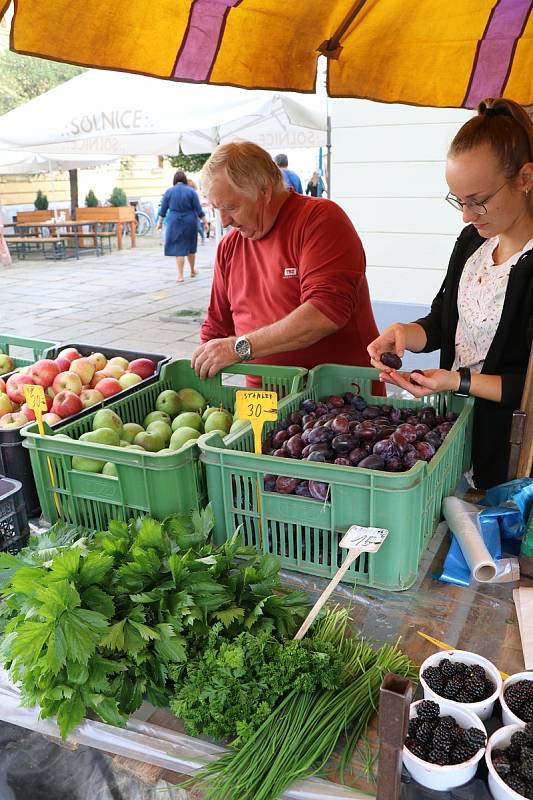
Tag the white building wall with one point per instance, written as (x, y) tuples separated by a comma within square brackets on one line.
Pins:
[(388, 175)]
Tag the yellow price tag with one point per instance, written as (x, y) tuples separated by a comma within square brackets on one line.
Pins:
[(256, 407), (35, 397), (36, 402)]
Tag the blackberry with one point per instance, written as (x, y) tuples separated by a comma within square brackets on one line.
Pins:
[(519, 739), (446, 668), (448, 721), (453, 687), (517, 694), (526, 712), (513, 752), (424, 733), (461, 668), (434, 679), (516, 783), (463, 697), (461, 752), (438, 756), (427, 709), (476, 689), (526, 771), (413, 727), (477, 671), (527, 752), (475, 737), (502, 765), (416, 748)]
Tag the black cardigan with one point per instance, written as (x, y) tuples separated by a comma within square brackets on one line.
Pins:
[(508, 354)]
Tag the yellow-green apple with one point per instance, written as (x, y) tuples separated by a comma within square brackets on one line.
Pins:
[(105, 436), (6, 405), (162, 429), (181, 436), (67, 381), (70, 353), (129, 379), (14, 387), (90, 397), (15, 420), (188, 419), (130, 431), (106, 418), (63, 364), (6, 363), (108, 386), (218, 420), (66, 404), (87, 464), (142, 366), (113, 370), (2, 386), (28, 412), (151, 442), (98, 359), (44, 372), (169, 402), (50, 418), (119, 361), (84, 368), (153, 415), (191, 400)]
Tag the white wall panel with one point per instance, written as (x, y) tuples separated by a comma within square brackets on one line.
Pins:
[(400, 285)]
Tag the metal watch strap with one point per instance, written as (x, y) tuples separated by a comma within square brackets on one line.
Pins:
[(464, 382)]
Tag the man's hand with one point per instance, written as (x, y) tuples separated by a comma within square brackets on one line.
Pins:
[(212, 356)]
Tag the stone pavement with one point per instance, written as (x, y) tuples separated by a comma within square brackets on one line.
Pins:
[(126, 299)]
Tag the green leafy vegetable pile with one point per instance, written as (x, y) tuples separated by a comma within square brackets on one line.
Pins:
[(101, 624)]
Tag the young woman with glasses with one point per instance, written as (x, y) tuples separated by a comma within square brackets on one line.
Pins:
[(482, 318)]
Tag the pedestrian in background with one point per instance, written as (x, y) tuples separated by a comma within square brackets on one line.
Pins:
[(290, 178), (181, 237), (315, 186)]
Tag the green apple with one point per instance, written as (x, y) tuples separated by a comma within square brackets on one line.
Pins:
[(182, 435), (87, 464), (135, 447), (110, 469), (105, 418), (218, 420), (162, 429), (129, 379), (102, 436), (169, 402), (188, 419), (239, 425), (153, 415), (209, 410), (130, 431), (191, 400), (151, 442)]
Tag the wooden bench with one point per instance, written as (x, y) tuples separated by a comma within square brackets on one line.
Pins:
[(119, 216), (23, 245)]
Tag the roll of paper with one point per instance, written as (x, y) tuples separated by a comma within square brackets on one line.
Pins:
[(462, 519)]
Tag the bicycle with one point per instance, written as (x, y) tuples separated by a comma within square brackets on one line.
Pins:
[(144, 224)]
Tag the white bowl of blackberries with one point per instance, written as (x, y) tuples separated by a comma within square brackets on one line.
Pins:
[(444, 744), (516, 699), (509, 760), (465, 679)]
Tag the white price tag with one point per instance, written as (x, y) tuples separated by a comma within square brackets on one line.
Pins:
[(358, 537)]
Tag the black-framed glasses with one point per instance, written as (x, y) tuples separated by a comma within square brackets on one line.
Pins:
[(477, 208)]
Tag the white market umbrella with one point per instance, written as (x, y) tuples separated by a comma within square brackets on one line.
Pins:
[(103, 113), (19, 162)]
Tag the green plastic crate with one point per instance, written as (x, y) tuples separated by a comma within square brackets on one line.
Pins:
[(38, 348), (306, 532), (146, 482)]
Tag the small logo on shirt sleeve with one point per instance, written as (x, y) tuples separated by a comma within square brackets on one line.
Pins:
[(289, 272)]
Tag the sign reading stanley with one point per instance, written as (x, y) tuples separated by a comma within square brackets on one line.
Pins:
[(117, 113)]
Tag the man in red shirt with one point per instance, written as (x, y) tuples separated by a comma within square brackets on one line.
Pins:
[(289, 284)]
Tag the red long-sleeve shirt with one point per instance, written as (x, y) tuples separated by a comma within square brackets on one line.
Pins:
[(312, 254)]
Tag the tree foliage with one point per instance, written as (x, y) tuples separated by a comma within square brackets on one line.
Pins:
[(192, 163), (24, 77)]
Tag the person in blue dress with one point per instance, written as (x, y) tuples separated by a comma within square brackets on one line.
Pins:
[(181, 235)]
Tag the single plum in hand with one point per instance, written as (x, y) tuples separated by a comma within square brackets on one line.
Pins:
[(391, 360)]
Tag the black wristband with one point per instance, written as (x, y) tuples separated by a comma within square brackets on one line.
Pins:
[(464, 383)]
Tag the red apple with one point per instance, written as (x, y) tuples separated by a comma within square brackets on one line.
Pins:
[(10, 421), (119, 361), (68, 381), (70, 353), (14, 386), (98, 375), (63, 364), (2, 386), (43, 372), (50, 418), (66, 404), (6, 405), (6, 363), (142, 366), (89, 397), (84, 368), (113, 370), (30, 413), (98, 359), (108, 386)]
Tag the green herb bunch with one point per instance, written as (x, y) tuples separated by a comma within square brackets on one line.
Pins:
[(233, 687), (111, 620)]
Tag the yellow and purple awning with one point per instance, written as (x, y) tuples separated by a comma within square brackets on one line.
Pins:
[(424, 52)]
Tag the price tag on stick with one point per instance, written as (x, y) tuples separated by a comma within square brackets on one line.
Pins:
[(36, 401), (256, 407)]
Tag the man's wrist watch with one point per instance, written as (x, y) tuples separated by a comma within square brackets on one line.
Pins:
[(243, 349), (465, 377)]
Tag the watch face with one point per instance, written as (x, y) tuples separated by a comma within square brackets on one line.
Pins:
[(242, 347)]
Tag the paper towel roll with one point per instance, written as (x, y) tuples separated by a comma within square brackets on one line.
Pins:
[(462, 519)]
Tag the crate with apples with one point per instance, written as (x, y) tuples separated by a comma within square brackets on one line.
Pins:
[(76, 378), (140, 453)]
